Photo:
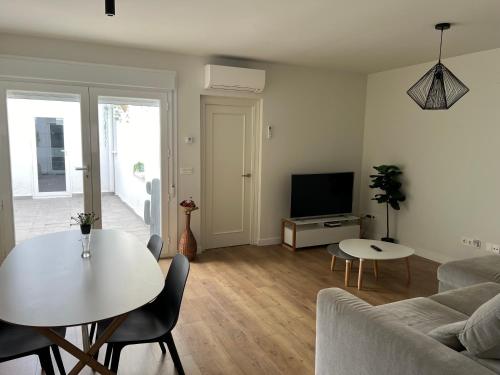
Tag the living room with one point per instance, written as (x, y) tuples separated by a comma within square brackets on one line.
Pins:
[(330, 97)]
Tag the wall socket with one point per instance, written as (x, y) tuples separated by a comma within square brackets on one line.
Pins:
[(493, 247), (473, 242)]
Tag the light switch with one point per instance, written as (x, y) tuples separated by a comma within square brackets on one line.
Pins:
[(188, 140)]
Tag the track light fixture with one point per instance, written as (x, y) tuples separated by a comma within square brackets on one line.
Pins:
[(109, 7)]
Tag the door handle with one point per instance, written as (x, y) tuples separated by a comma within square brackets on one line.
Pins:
[(84, 168), (246, 175)]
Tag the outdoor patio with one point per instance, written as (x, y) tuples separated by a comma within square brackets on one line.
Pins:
[(34, 217)]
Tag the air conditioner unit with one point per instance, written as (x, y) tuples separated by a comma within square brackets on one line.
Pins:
[(231, 78)]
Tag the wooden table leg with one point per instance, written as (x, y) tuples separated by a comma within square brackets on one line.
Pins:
[(332, 266), (360, 274), (408, 269), (375, 269), (348, 266), (74, 351), (86, 358)]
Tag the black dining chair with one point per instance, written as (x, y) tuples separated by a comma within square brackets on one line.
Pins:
[(19, 341), (153, 322), (155, 246)]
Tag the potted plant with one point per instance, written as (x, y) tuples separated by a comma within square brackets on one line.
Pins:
[(85, 220), (139, 169), (387, 180)]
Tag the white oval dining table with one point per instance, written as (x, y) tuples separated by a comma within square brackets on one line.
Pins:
[(44, 282)]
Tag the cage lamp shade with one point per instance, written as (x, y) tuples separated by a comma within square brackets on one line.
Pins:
[(439, 88)]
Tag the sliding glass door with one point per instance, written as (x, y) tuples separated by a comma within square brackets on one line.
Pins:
[(47, 154), (70, 149), (129, 179)]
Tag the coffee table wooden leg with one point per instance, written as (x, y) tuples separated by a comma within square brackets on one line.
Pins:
[(408, 269), (348, 266), (375, 269), (360, 274), (332, 266)]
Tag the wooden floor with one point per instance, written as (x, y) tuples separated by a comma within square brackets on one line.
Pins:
[(251, 310)]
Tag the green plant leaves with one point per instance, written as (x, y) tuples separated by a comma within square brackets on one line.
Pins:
[(387, 181)]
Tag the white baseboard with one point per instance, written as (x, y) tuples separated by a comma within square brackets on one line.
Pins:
[(424, 253), (268, 241), (432, 255)]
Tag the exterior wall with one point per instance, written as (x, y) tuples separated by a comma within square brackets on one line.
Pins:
[(22, 140), (137, 139)]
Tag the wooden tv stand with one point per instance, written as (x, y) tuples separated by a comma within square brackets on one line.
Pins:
[(298, 233)]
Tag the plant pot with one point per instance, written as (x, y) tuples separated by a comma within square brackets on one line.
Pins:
[(85, 228), (388, 239)]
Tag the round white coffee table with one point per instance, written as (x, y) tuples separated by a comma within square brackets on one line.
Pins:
[(362, 249)]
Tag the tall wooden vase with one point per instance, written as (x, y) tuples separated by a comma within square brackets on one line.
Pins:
[(187, 243)]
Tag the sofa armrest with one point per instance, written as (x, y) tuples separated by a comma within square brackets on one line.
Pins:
[(354, 338)]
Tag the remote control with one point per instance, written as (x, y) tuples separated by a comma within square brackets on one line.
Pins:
[(375, 248)]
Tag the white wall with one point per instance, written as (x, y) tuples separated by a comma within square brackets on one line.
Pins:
[(317, 117), (22, 140), (137, 139), (450, 158)]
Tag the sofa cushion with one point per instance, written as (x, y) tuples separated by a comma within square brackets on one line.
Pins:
[(481, 335), (470, 271), (468, 299), (492, 364), (353, 337), (422, 314), (448, 334)]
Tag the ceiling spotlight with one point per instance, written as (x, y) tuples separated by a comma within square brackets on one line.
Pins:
[(110, 8)]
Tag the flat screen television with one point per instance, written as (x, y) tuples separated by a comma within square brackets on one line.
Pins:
[(321, 194)]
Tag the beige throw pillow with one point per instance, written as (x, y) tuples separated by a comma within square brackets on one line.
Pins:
[(481, 334)]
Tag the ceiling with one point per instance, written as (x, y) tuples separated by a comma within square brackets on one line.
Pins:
[(354, 35)]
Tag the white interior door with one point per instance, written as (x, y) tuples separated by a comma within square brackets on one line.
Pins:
[(44, 153), (229, 132)]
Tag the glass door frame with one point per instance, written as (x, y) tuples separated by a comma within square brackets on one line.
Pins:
[(7, 228), (90, 151), (167, 175)]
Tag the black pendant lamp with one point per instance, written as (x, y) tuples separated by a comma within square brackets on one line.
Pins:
[(109, 6), (439, 88)]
